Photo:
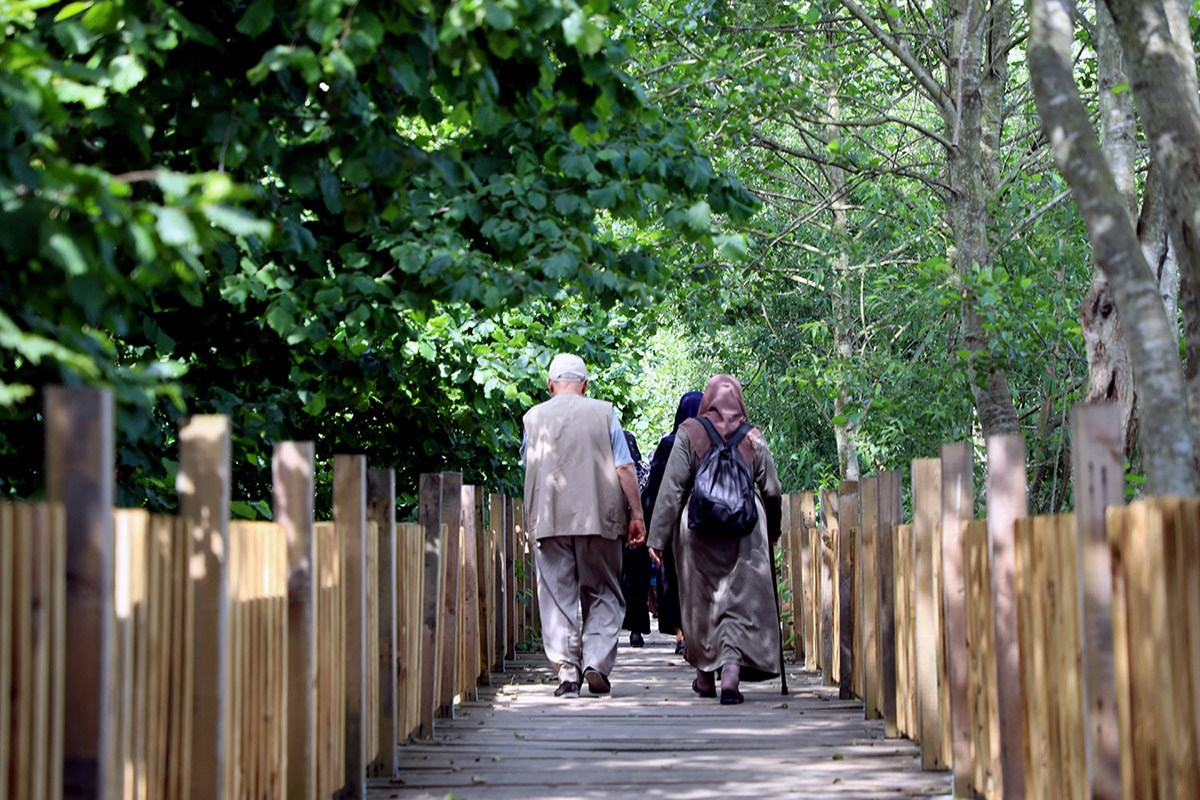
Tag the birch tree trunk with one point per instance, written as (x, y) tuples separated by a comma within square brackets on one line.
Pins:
[(843, 296), (969, 170), (1161, 63), (1110, 373), (1168, 446)]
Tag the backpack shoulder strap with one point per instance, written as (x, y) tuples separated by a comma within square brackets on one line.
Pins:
[(742, 431), (713, 436)]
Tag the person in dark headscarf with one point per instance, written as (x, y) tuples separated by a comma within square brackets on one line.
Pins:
[(636, 566), (668, 587), (726, 586)]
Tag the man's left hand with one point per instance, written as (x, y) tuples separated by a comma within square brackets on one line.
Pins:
[(637, 532)]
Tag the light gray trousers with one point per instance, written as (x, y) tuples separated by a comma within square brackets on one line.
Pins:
[(580, 572)]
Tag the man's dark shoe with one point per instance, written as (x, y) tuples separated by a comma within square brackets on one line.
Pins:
[(731, 697), (636, 640), (680, 647), (567, 689), (597, 682), (711, 692)]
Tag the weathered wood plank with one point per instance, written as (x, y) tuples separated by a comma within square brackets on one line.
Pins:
[(868, 596), (830, 603), (293, 470), (430, 514), (1097, 458), (80, 458), (203, 484), (350, 516), (381, 509), (957, 506), (848, 534), (888, 517), (927, 490), (451, 508), (809, 579), (1006, 502)]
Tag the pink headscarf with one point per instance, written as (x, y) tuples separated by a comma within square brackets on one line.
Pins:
[(723, 406)]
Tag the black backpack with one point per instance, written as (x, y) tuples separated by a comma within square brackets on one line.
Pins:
[(722, 501)]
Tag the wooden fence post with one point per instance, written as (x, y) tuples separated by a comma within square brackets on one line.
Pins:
[(804, 512), (785, 584), (381, 509), (451, 508), (430, 515), (868, 596), (292, 469), (797, 539), (830, 602), (483, 584), (498, 615), (957, 509), (1097, 457), (887, 518), (510, 580), (80, 458), (926, 507), (848, 531), (1006, 502), (350, 515), (469, 644), (203, 484)]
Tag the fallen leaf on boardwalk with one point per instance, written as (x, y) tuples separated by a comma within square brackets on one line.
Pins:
[(478, 779), (837, 780), (838, 756), (497, 758), (517, 735), (781, 705)]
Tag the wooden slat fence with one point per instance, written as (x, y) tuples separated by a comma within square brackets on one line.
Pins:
[(154, 736), (32, 649), (943, 575), (162, 728)]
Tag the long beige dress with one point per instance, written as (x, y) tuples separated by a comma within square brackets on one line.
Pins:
[(726, 589)]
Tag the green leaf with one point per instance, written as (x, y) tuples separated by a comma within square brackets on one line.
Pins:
[(71, 9), (699, 216), (127, 72), (733, 247), (498, 16), (68, 253), (582, 34), (840, 420), (174, 227), (237, 221), (242, 509)]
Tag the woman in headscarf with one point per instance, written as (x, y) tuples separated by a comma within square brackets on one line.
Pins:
[(726, 584), (668, 586)]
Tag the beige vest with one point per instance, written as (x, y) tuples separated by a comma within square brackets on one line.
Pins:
[(571, 486)]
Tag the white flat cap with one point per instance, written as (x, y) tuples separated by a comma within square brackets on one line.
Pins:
[(568, 368)]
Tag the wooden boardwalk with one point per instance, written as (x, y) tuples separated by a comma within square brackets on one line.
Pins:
[(653, 738)]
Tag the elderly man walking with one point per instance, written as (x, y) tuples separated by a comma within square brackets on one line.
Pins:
[(581, 497)]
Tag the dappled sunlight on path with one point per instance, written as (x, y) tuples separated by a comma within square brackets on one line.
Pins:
[(654, 738)]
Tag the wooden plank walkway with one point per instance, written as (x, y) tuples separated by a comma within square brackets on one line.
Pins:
[(654, 738)]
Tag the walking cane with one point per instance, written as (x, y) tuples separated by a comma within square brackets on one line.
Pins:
[(778, 615)]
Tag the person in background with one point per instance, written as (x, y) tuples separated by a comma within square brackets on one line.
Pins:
[(636, 566), (726, 587), (666, 581), (580, 484)]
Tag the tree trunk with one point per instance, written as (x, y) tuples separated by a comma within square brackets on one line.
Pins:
[(843, 298), (969, 171), (1158, 48), (1168, 446), (1110, 375)]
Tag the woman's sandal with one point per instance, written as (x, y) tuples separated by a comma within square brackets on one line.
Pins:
[(703, 692), (731, 697)]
